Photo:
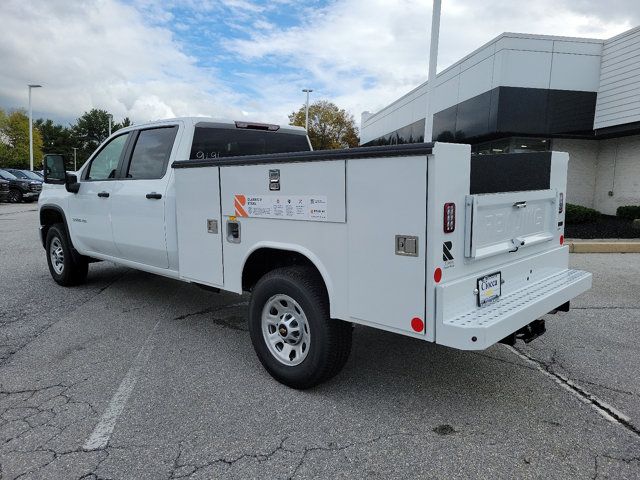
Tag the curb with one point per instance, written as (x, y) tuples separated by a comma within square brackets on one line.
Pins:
[(604, 246)]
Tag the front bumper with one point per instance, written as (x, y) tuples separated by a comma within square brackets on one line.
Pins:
[(30, 195)]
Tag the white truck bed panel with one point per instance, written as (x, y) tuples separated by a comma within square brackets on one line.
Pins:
[(297, 182), (385, 198)]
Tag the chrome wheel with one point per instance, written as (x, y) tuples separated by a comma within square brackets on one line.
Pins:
[(56, 254), (285, 330)]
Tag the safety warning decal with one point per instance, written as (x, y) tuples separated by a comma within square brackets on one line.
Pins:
[(292, 207)]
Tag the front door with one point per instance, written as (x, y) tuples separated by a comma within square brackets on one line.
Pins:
[(138, 199), (90, 208)]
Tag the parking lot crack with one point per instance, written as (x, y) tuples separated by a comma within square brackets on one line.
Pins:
[(603, 408), (223, 322), (331, 447), (622, 459), (28, 339)]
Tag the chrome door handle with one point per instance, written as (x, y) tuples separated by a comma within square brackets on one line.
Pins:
[(154, 196), (103, 194), (520, 204)]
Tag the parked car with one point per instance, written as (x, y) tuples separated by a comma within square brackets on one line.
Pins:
[(25, 174), (21, 189), (4, 190)]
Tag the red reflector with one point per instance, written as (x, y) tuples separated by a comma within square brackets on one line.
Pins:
[(437, 275), (561, 239), (417, 324), (449, 224)]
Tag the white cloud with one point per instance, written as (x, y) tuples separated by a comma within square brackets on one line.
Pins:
[(367, 53), (362, 54), (102, 54)]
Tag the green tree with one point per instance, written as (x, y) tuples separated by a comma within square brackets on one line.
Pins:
[(14, 141), (329, 126), (56, 138), (89, 131), (126, 122)]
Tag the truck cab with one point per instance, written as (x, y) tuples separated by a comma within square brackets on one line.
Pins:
[(123, 201)]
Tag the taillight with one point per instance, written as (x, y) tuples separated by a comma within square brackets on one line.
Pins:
[(561, 203), (449, 224)]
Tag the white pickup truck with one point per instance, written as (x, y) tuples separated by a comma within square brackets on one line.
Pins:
[(424, 240)]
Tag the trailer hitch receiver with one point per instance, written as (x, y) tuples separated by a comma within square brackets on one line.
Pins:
[(526, 334)]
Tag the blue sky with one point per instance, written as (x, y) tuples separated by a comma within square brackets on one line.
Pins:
[(249, 59)]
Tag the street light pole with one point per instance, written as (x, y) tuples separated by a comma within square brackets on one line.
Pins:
[(110, 120), (31, 127), (75, 166), (433, 63), (306, 114)]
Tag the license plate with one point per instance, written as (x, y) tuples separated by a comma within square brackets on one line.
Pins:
[(489, 288)]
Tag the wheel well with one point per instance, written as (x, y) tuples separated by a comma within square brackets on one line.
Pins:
[(49, 217), (264, 260)]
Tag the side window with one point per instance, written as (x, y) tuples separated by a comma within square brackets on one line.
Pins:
[(151, 153), (105, 164)]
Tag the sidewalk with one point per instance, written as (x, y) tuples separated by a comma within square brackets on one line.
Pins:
[(605, 245)]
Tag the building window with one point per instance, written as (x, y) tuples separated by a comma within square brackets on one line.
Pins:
[(512, 145)]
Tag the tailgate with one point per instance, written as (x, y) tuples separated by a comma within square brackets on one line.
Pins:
[(498, 223)]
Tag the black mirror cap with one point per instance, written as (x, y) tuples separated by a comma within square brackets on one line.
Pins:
[(72, 184)]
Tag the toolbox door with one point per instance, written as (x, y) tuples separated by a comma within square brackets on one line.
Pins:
[(386, 216), (199, 225)]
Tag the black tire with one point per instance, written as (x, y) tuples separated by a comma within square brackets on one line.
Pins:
[(66, 270), (329, 340), (15, 196)]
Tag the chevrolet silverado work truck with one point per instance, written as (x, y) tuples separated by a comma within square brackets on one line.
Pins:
[(424, 240)]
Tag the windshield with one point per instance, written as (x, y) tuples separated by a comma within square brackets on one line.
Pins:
[(6, 175), (19, 174), (31, 175), (209, 142)]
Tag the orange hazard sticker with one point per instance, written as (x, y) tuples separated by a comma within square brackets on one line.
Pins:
[(239, 203)]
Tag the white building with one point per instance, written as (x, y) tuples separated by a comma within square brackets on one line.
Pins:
[(533, 92)]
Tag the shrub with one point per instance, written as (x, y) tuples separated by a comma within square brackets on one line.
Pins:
[(630, 212), (578, 214)]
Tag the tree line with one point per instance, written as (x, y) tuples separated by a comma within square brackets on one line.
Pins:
[(329, 127), (85, 134)]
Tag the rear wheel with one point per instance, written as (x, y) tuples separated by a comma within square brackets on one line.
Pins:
[(15, 196), (64, 269), (291, 331)]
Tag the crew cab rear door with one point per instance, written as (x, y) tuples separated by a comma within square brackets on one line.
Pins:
[(139, 196)]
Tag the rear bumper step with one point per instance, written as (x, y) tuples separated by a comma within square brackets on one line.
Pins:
[(482, 327)]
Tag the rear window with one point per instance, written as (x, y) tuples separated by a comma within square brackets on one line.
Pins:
[(211, 143)]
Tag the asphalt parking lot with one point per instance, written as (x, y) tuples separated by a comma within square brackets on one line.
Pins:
[(167, 371)]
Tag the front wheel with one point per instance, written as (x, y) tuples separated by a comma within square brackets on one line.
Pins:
[(15, 196), (291, 331), (64, 269)]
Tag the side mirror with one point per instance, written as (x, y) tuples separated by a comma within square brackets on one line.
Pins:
[(72, 184), (55, 173)]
